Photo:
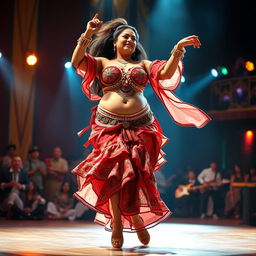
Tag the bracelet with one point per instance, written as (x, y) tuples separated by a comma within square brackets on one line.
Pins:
[(83, 41), (179, 54)]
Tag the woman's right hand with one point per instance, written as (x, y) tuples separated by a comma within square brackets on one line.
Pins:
[(94, 25)]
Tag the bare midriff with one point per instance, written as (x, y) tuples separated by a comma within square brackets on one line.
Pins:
[(115, 103)]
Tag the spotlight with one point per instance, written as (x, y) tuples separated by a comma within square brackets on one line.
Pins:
[(249, 65), (31, 59), (183, 79), (68, 64), (1, 55), (249, 133), (214, 72), (249, 137), (239, 91), (224, 71)]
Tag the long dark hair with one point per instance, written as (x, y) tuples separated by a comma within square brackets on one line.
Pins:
[(103, 44)]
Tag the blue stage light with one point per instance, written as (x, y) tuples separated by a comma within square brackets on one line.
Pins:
[(214, 72), (68, 64), (183, 79), (1, 55)]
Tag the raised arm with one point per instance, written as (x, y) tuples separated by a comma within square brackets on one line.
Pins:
[(176, 55), (92, 27)]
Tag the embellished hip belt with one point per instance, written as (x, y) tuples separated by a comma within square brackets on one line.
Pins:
[(108, 119)]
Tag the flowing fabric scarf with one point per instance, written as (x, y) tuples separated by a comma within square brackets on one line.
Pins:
[(181, 112)]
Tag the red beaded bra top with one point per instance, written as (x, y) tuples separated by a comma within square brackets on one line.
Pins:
[(114, 78)]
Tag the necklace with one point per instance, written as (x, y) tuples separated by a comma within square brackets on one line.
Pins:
[(123, 61)]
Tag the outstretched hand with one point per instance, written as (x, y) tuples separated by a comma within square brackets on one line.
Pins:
[(189, 41), (94, 25)]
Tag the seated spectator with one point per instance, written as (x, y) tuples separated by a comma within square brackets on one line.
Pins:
[(13, 182), (5, 161), (34, 203), (57, 167), (251, 177), (61, 208), (36, 169), (233, 196)]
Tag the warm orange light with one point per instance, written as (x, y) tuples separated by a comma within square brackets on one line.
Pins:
[(249, 65), (249, 136), (248, 141), (31, 59)]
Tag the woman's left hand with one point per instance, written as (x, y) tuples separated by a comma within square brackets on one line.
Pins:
[(189, 41)]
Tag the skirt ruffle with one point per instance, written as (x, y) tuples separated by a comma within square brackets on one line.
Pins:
[(123, 160)]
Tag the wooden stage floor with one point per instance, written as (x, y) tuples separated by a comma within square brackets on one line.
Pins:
[(179, 237)]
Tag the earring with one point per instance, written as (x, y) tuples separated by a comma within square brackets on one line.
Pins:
[(114, 49)]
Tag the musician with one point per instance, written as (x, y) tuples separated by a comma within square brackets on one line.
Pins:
[(210, 178), (188, 205)]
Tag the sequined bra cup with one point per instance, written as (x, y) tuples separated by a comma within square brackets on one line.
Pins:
[(126, 83)]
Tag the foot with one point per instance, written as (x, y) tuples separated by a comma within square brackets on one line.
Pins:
[(203, 216), (117, 238), (142, 233), (215, 217)]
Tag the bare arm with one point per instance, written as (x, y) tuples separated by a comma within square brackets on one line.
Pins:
[(172, 63), (93, 26)]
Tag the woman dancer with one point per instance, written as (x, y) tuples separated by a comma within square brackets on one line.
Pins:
[(117, 178)]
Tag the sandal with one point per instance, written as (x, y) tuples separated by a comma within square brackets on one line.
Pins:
[(117, 238)]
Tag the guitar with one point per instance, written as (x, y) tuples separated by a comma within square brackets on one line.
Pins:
[(184, 190)]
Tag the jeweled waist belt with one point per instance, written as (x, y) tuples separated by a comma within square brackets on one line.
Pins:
[(142, 118)]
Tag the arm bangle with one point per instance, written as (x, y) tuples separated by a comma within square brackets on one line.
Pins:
[(84, 41), (179, 54)]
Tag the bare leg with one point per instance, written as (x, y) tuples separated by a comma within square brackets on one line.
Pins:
[(117, 227), (142, 234)]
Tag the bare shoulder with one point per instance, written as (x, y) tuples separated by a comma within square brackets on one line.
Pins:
[(146, 64), (101, 60)]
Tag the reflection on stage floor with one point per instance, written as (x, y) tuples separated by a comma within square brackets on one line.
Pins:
[(177, 237)]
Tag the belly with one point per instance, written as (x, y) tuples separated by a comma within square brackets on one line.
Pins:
[(115, 103)]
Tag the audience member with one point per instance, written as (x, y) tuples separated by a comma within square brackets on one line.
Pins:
[(56, 169), (5, 161), (251, 177), (61, 207), (233, 196), (36, 169), (34, 203), (13, 181)]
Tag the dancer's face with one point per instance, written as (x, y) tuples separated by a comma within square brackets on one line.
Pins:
[(126, 42)]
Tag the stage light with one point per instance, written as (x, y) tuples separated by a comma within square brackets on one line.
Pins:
[(183, 79), (239, 91), (214, 72), (224, 71), (249, 65), (0, 55), (31, 59), (249, 134), (68, 64)]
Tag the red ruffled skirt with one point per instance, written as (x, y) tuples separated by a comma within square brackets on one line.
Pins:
[(123, 160)]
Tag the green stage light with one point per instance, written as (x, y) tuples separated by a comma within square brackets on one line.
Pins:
[(224, 71)]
